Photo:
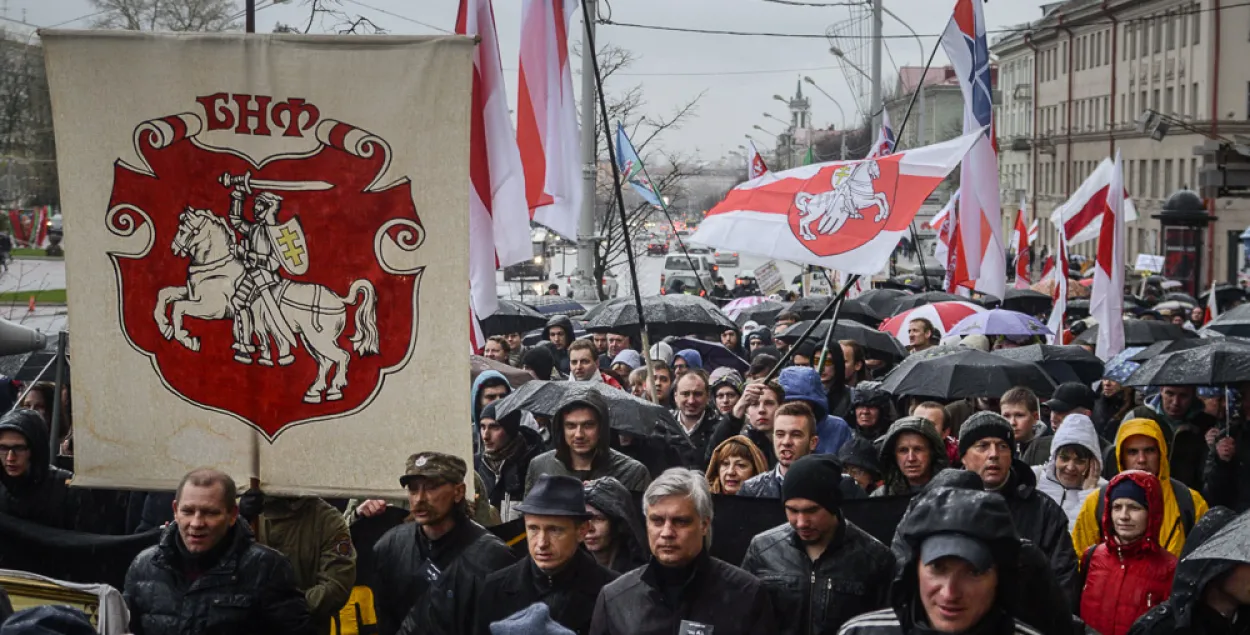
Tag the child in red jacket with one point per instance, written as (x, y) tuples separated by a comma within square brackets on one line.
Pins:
[(1128, 572)]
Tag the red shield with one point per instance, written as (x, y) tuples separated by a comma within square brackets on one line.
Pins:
[(320, 343), (844, 206)]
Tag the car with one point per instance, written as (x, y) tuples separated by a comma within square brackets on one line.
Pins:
[(679, 263), (657, 246), (696, 248), (687, 282), (727, 258)]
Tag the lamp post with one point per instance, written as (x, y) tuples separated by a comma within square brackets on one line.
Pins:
[(842, 126), (923, 76)]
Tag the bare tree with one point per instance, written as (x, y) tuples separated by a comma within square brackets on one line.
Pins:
[(168, 15), (27, 148), (329, 15)]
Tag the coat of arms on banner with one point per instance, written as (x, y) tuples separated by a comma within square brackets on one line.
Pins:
[(852, 211), (270, 287)]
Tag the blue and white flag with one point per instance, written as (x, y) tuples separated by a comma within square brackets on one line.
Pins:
[(631, 168)]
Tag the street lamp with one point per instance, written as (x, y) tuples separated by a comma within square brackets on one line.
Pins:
[(837, 52), (777, 119), (842, 128), (763, 130), (923, 76)]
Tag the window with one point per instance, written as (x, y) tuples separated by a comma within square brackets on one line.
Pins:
[(1154, 178), (1167, 175), (1143, 102), (1184, 26), (1105, 122), (1157, 37), (1063, 57), (1130, 39), (1128, 175), (1131, 113), (1180, 101), (1098, 48), (1167, 101), (1197, 22), (1193, 100), (1193, 175), (1144, 27), (1122, 109), (1078, 54), (1171, 27), (1141, 177), (1154, 99)]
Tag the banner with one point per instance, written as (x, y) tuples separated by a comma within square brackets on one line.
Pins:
[(261, 221)]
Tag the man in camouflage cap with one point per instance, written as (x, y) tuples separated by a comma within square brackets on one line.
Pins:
[(429, 572)]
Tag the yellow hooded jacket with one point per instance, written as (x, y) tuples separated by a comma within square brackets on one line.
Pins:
[(1086, 533)]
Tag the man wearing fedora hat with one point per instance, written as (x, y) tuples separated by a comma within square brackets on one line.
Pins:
[(429, 572), (558, 573)]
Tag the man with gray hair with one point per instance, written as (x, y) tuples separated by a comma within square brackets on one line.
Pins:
[(683, 589)]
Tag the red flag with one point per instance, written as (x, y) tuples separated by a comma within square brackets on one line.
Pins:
[(1213, 308), (1107, 300), (755, 163), (498, 217), (1021, 241)]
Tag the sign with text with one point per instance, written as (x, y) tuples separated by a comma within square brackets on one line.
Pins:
[(768, 277), (1147, 262)]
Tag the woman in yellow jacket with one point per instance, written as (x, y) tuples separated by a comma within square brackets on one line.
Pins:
[(1140, 454)]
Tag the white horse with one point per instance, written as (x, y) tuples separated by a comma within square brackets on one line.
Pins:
[(849, 196), (315, 313)]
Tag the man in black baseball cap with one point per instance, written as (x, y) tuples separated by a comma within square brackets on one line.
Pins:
[(558, 573), (1069, 398)]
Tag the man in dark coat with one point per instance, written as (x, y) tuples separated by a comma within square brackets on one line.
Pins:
[(559, 331), (558, 573), (911, 454), (208, 576), (683, 589), (819, 569), (429, 572), (581, 435), (31, 488), (507, 449), (616, 537)]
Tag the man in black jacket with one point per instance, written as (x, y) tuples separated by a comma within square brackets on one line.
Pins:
[(31, 488), (507, 449), (682, 589), (559, 331), (695, 415), (207, 575), (429, 572), (819, 569), (558, 572)]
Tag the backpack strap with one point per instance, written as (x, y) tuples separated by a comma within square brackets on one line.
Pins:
[(1185, 505), (1098, 510)]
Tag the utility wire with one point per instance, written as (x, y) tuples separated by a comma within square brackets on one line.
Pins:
[(401, 17)]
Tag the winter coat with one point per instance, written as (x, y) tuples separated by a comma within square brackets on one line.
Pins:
[(1184, 613), (424, 586), (700, 437), (1036, 451), (1088, 529), (1041, 521), (1188, 445), (894, 483), (1105, 411), (1073, 432), (1227, 483), (510, 479), (561, 356), (979, 515), (803, 384), (251, 589), (607, 462), (570, 594), (314, 537), (851, 577), (766, 485), (1123, 581), (720, 595), (614, 501), (42, 495)]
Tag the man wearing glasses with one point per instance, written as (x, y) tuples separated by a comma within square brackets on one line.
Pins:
[(31, 488)]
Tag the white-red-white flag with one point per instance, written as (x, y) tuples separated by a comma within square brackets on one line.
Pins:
[(547, 131), (499, 220), (1081, 215), (477, 339), (1035, 228), (844, 215), (755, 162), (1058, 269), (1020, 240), (1213, 307), (1106, 302)]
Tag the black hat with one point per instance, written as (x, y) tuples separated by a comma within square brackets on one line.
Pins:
[(511, 423), (948, 544), (983, 425), (555, 496), (815, 477), (1071, 395)]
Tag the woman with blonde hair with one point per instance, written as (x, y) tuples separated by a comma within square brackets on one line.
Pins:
[(734, 461)]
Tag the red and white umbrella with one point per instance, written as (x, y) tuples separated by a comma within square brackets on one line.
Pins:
[(735, 307), (942, 315)]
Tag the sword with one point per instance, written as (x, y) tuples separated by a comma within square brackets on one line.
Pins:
[(245, 180)]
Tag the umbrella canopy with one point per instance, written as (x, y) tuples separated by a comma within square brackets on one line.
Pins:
[(1078, 308), (1062, 363), (882, 300), (921, 299), (1028, 301), (878, 344), (811, 306), (965, 373), (1224, 293), (732, 307), (556, 305), (764, 313), (1140, 333), (1228, 543), (1183, 298), (713, 353), (942, 315), (1000, 322), (1172, 307), (1234, 322), (512, 317), (626, 413), (1120, 367), (1218, 363), (515, 376), (1167, 346), (675, 314)]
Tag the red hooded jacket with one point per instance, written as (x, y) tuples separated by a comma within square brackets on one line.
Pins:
[(1122, 582)]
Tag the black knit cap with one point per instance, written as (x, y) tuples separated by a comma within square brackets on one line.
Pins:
[(983, 425), (815, 477), (511, 424)]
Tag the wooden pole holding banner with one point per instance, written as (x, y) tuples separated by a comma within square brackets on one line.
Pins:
[(249, 9), (253, 480), (62, 339), (833, 306)]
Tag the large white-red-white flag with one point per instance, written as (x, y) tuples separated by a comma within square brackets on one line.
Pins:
[(547, 117), (1059, 271), (755, 162), (499, 220), (1107, 300), (844, 215), (1081, 215), (1020, 240), (941, 224), (1213, 307)]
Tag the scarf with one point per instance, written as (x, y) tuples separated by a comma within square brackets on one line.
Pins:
[(494, 460)]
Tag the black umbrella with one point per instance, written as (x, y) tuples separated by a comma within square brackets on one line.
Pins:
[(713, 353), (1028, 301), (965, 373), (1220, 362), (1180, 297), (811, 306), (1062, 363), (674, 314), (1224, 293), (921, 299), (556, 305), (1078, 308), (1234, 322), (512, 317), (515, 376), (879, 344), (882, 301), (1168, 346), (764, 313), (603, 306), (626, 413), (1141, 333)]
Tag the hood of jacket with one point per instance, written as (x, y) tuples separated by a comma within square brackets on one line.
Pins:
[(611, 498), (762, 334), (30, 425), (1149, 428), (582, 395), (1193, 576), (475, 392), (803, 384), (559, 320), (918, 425), (1154, 511), (1074, 431), (860, 452)]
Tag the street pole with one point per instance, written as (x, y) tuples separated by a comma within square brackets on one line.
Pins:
[(876, 64), (249, 9), (583, 287)]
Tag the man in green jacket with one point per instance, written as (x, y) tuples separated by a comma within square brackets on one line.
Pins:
[(313, 535)]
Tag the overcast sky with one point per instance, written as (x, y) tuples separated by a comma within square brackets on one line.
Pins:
[(739, 74)]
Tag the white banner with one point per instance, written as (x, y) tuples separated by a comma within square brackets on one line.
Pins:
[(258, 222)]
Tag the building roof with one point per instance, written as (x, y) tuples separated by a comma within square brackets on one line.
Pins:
[(910, 76)]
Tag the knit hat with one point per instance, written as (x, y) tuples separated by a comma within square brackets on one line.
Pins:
[(663, 352), (511, 424), (984, 425), (749, 325), (1128, 488), (534, 620), (692, 357), (629, 357), (815, 477), (540, 360), (725, 376)]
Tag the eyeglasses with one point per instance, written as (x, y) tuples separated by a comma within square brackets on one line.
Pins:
[(18, 450)]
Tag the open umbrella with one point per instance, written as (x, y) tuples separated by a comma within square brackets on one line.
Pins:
[(626, 413), (1122, 366), (1000, 322), (1167, 346), (878, 344), (942, 315), (674, 314), (512, 317), (1027, 301), (921, 299), (1140, 333), (713, 353), (1062, 363), (1078, 308), (556, 305), (1233, 322), (1224, 294), (811, 306), (515, 376), (1172, 307), (1218, 363), (764, 314), (1228, 543), (965, 373), (882, 300), (1183, 298)]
